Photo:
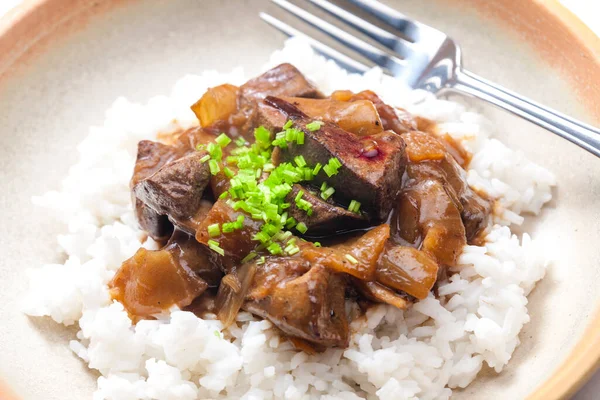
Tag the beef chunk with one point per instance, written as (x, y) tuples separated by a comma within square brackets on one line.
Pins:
[(325, 217), (303, 301), (194, 257), (151, 157), (283, 80), (190, 225), (269, 117), (176, 189), (157, 226), (372, 166)]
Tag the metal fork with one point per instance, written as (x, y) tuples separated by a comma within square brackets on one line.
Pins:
[(424, 58)]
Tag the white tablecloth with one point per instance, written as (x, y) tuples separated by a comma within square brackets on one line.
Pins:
[(589, 12)]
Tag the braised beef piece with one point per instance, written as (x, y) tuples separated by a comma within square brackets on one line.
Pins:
[(195, 257), (269, 117), (326, 217), (283, 80), (303, 299), (157, 226), (236, 244), (371, 165), (190, 225), (151, 156), (176, 188)]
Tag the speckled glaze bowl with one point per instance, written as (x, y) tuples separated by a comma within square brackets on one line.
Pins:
[(62, 63)]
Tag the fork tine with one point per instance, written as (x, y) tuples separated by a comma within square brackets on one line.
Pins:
[(388, 39), (369, 51), (343, 60), (410, 28)]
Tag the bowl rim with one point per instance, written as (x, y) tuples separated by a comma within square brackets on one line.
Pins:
[(33, 20)]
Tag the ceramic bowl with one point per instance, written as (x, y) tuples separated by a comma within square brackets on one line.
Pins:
[(63, 62)]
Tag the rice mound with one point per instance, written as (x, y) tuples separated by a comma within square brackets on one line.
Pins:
[(423, 353)]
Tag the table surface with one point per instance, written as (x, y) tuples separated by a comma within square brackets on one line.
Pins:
[(589, 12)]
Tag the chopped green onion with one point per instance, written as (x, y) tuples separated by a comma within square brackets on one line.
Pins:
[(214, 167), (314, 126), (351, 259), (200, 146), (223, 140), (213, 230), (239, 223), (291, 249), (261, 261), (268, 167), (354, 206), (332, 167), (299, 196), (228, 172), (317, 244), (215, 151), (214, 246), (274, 248), (240, 142), (250, 256), (300, 137), (327, 193), (223, 195), (301, 227), (304, 205), (290, 223), (205, 158), (262, 136), (300, 161), (288, 124), (317, 168), (228, 227)]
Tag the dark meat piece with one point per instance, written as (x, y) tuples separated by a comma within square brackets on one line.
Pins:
[(426, 218), (283, 80), (397, 120), (430, 159), (194, 256), (176, 189), (236, 244), (151, 156), (372, 166), (304, 301), (157, 226), (188, 140), (269, 117), (325, 217), (190, 225)]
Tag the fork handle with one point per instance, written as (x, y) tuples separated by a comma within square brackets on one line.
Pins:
[(583, 135)]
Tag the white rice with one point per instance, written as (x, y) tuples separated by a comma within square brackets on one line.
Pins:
[(422, 353)]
